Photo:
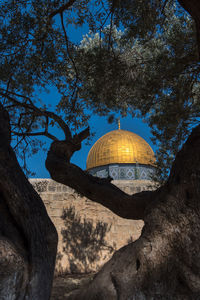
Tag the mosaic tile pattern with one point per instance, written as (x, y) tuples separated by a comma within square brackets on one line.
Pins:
[(124, 171)]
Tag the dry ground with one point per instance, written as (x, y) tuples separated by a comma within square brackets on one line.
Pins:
[(65, 284)]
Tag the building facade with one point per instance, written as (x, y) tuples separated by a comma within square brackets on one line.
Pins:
[(88, 232)]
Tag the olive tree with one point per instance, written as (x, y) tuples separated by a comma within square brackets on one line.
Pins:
[(152, 70)]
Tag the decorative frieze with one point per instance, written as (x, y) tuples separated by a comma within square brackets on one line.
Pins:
[(124, 171)]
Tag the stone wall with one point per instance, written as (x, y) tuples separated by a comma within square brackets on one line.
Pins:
[(88, 232)]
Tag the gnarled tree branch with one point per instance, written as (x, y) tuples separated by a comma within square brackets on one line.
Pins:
[(42, 133), (94, 188), (36, 111), (62, 8), (30, 218), (193, 8)]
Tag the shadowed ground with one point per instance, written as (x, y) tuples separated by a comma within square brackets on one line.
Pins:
[(63, 285)]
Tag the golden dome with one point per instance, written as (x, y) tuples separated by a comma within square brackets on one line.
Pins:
[(120, 146)]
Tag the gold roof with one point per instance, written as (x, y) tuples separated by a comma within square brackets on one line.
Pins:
[(120, 146)]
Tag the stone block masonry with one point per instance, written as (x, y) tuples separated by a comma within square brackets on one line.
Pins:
[(88, 232)]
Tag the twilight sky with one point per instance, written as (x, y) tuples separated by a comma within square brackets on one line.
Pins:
[(99, 125)]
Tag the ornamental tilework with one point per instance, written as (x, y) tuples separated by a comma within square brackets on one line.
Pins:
[(124, 172)]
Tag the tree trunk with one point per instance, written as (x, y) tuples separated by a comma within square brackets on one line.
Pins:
[(164, 263), (193, 8), (28, 239)]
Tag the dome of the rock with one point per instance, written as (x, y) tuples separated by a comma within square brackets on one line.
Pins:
[(121, 155), (122, 147)]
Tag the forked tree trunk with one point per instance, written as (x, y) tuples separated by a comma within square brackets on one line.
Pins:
[(164, 263), (28, 239)]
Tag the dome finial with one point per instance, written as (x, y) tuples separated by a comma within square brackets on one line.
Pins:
[(119, 127)]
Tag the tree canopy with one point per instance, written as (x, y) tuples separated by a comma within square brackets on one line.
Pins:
[(139, 58)]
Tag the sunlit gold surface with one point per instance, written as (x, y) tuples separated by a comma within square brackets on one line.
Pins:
[(120, 146)]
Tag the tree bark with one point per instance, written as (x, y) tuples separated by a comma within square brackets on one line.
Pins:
[(94, 188), (28, 239), (164, 263), (193, 8)]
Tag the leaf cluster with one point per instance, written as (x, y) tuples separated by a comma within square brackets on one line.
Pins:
[(156, 79), (140, 57)]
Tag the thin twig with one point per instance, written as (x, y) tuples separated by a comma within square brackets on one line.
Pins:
[(42, 133), (111, 25), (38, 111), (164, 5), (67, 44), (62, 9)]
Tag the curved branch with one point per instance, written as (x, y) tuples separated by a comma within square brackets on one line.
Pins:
[(193, 8), (94, 188), (62, 8), (37, 111), (67, 44), (78, 138), (42, 133), (29, 215)]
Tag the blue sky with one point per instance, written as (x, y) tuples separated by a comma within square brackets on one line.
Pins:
[(99, 125)]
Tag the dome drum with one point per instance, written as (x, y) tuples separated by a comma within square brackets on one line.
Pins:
[(124, 171)]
